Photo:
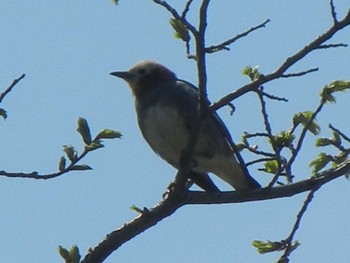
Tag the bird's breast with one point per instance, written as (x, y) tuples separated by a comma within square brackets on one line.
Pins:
[(165, 130)]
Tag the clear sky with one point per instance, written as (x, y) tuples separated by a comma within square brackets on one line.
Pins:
[(67, 49)]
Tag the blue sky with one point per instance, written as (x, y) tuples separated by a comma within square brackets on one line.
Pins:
[(67, 49)]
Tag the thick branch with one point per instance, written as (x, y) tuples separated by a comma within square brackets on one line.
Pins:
[(269, 193), (135, 227), (200, 54), (176, 200)]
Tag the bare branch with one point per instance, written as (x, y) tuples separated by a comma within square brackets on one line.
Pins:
[(277, 152), (175, 200), (289, 62), (289, 190), (223, 45), (232, 107), (332, 46), (71, 154), (299, 74), (259, 161), (176, 15), (263, 153), (346, 138), (288, 241), (264, 112), (201, 59), (186, 9), (334, 14), (8, 90), (36, 175), (273, 97), (149, 218), (257, 134)]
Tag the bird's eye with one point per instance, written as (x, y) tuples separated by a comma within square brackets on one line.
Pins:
[(141, 71)]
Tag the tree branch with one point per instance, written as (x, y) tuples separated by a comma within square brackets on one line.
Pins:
[(299, 74), (177, 199), (289, 62), (302, 137), (346, 138), (288, 241), (332, 46), (36, 175), (135, 227), (9, 88), (277, 151), (195, 197), (223, 45), (186, 9), (176, 15), (334, 13)]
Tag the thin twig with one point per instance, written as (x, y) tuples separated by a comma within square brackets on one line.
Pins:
[(223, 45), (334, 13), (302, 137), (332, 46), (232, 107), (277, 151), (176, 15), (36, 175), (186, 9), (8, 90), (298, 74), (273, 97), (346, 138), (289, 239), (259, 161), (257, 134), (263, 153)]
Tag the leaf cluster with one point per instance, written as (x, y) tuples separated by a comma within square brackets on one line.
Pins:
[(89, 146), (70, 256), (264, 247), (338, 141), (286, 144)]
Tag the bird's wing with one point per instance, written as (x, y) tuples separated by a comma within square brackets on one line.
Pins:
[(222, 128)]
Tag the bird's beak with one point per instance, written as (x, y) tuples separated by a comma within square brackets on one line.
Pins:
[(123, 75)]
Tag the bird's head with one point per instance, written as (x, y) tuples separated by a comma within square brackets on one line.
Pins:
[(145, 75)]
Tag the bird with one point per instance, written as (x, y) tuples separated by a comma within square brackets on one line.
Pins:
[(167, 109)]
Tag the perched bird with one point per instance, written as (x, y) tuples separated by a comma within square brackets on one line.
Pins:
[(167, 109)]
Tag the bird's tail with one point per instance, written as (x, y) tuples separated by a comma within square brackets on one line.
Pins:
[(233, 173)]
